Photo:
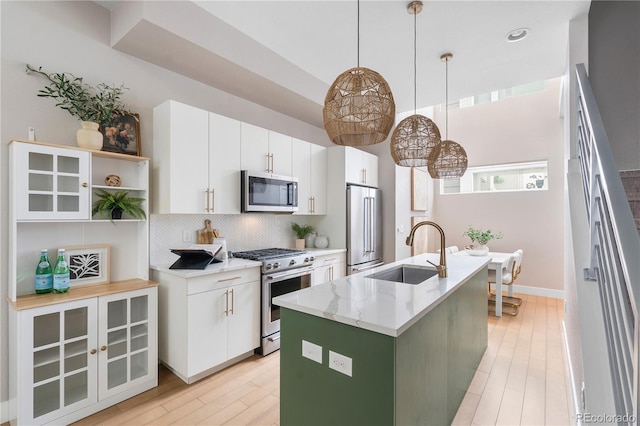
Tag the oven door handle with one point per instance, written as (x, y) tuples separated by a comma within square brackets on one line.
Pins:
[(296, 272)]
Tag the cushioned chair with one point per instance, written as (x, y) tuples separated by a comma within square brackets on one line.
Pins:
[(509, 304), (452, 249)]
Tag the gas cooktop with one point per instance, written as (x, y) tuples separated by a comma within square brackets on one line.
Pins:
[(266, 254)]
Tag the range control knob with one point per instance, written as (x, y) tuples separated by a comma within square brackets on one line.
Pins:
[(312, 258), (293, 262), (306, 260), (276, 265), (268, 266)]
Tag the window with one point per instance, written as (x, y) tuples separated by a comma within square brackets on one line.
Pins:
[(530, 176)]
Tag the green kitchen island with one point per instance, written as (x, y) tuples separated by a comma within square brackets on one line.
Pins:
[(368, 351)]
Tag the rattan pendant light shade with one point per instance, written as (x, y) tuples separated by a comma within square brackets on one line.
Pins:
[(448, 159), (412, 141), (359, 108), (415, 136)]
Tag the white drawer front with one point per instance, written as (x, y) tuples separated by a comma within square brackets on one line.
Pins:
[(223, 279)]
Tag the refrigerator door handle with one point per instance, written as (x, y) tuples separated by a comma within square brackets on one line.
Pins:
[(372, 224), (367, 225)]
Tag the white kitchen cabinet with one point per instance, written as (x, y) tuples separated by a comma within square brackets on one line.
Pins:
[(328, 267), (208, 321), (79, 357), (196, 161), (309, 165), (265, 151), (361, 167), (53, 182)]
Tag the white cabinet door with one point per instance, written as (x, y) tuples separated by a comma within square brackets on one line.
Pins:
[(206, 328), (318, 191), (181, 158), (50, 182), (328, 268), (57, 366), (224, 164), (127, 339), (280, 152), (254, 148), (370, 166), (301, 169), (244, 319)]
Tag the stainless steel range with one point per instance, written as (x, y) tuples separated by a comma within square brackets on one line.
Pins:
[(283, 271)]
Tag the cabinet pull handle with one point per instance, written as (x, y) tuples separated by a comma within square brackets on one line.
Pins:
[(229, 279), (271, 155), (365, 175), (313, 204), (93, 351), (231, 311), (85, 184), (330, 273), (103, 348), (267, 157), (329, 260), (213, 201), (207, 198), (226, 303), (310, 205)]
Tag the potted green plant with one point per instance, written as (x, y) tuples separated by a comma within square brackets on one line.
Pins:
[(481, 237), (114, 204), (94, 106), (301, 232)]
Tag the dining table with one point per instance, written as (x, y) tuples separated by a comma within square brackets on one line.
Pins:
[(497, 263)]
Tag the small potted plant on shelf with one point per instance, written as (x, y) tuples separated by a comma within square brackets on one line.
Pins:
[(114, 204), (301, 232), (481, 238), (94, 106)]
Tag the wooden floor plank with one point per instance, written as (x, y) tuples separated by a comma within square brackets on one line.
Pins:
[(522, 379)]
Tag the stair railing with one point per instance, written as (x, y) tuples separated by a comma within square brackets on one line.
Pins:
[(615, 249)]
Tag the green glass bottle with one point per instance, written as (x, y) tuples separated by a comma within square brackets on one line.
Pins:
[(61, 274), (44, 274)]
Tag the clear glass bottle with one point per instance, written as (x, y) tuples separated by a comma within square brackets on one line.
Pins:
[(61, 273), (44, 274)]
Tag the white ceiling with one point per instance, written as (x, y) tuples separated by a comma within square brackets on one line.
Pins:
[(285, 54)]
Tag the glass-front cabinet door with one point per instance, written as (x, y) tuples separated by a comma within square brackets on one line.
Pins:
[(127, 336), (59, 350), (53, 183)]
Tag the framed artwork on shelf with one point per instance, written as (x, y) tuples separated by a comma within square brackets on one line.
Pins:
[(421, 237), (418, 189), (122, 135), (88, 264)]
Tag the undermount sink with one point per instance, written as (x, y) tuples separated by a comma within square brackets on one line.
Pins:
[(407, 274)]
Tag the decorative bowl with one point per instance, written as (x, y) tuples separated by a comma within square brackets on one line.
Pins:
[(479, 250)]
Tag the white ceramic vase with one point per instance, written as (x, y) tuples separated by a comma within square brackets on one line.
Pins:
[(309, 240), (88, 136), (477, 250), (322, 241)]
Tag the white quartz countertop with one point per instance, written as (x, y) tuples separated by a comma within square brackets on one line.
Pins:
[(227, 265), (383, 306)]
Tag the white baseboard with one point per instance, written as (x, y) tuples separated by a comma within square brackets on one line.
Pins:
[(535, 291), (4, 411)]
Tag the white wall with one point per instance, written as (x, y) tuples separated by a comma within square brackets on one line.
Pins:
[(517, 129), (74, 37)]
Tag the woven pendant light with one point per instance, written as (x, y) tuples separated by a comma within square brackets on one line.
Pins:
[(415, 136), (448, 159), (359, 107)]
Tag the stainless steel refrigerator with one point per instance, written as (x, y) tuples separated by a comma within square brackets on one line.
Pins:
[(364, 228)]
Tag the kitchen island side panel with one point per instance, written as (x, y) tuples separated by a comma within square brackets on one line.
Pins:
[(313, 394), (437, 357)]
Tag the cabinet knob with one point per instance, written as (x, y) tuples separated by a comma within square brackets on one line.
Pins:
[(103, 348), (85, 184), (93, 351)]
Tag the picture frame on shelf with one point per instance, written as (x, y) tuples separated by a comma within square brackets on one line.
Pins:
[(122, 135), (88, 264), (419, 189)]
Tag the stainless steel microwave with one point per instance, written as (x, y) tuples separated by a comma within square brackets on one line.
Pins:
[(266, 192)]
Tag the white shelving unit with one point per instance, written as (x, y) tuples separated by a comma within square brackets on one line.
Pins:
[(76, 353)]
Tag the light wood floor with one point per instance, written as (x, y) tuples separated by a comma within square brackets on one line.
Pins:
[(521, 380)]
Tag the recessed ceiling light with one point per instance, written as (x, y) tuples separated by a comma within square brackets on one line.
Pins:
[(517, 35)]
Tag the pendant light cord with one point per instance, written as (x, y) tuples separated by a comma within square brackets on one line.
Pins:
[(358, 39), (446, 99), (415, 72)]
